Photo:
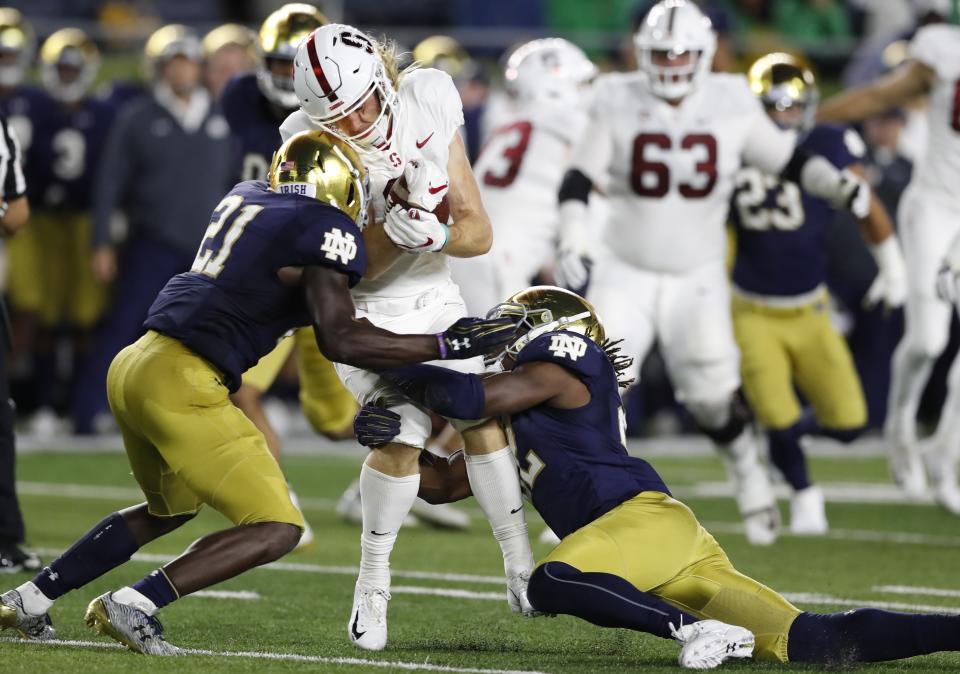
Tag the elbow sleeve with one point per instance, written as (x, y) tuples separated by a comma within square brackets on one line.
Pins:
[(575, 186), (451, 394)]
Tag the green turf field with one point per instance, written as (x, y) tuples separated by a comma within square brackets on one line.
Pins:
[(304, 601)]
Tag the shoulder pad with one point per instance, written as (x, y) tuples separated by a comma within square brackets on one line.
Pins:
[(569, 349)]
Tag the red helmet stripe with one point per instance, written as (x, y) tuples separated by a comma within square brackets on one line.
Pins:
[(317, 70)]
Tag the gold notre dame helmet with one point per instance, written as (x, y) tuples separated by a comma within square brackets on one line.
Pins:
[(280, 35), (319, 165), (230, 34), (543, 309), (443, 53), (16, 37), (69, 61), (782, 81), (171, 40)]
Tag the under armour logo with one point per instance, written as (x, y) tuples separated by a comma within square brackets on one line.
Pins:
[(337, 244), (455, 344), (53, 575), (567, 346), (732, 648)]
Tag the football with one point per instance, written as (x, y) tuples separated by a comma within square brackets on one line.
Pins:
[(397, 192)]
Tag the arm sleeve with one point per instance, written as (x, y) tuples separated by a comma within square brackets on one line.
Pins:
[(13, 181), (768, 147), (115, 168), (451, 394), (593, 151)]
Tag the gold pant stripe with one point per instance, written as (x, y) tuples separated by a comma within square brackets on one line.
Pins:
[(781, 348), (656, 544), (187, 443)]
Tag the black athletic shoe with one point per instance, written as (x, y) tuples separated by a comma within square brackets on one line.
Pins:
[(14, 560)]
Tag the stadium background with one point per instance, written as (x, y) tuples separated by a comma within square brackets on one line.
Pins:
[(881, 550)]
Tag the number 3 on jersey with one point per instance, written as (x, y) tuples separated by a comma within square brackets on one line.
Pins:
[(215, 247)]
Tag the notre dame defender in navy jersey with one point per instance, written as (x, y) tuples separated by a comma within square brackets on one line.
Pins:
[(780, 300), (254, 124), (272, 259), (631, 555)]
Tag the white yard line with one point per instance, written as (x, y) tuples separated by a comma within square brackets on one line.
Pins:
[(448, 592), (245, 595), (817, 598), (854, 535), (833, 492), (290, 657), (920, 591)]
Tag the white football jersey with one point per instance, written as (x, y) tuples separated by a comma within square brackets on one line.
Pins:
[(430, 113), (521, 166), (668, 171), (938, 46)]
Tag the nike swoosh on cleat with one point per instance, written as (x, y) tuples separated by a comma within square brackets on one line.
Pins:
[(435, 190), (421, 143), (516, 510), (353, 628)]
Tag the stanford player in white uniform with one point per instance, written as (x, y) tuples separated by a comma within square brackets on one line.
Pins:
[(664, 144), (348, 84), (929, 219)]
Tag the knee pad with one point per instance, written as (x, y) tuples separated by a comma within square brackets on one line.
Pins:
[(722, 420), (844, 435)]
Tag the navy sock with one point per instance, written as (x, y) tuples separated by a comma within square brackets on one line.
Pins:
[(787, 455), (869, 635), (106, 546), (603, 599), (157, 588)]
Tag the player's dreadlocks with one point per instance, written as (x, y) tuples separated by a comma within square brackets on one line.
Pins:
[(619, 361)]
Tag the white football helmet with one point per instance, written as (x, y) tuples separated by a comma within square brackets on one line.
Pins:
[(673, 28), (548, 70), (337, 68)]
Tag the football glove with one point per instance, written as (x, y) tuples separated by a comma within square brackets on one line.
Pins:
[(573, 260), (843, 189), (376, 425), (890, 286), (853, 194), (427, 184), (470, 337), (415, 230)]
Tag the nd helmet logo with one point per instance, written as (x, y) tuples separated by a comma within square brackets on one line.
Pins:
[(567, 346), (337, 244)]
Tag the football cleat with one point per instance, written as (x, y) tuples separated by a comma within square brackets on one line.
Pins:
[(367, 627), (15, 560), (12, 615), (808, 515), (441, 515), (708, 643), (130, 626), (517, 594), (907, 470), (756, 502)]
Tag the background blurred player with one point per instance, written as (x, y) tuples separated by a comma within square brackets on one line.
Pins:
[(781, 314), (142, 168), (928, 222), (228, 50), (273, 258), (64, 159), (664, 144), (351, 86)]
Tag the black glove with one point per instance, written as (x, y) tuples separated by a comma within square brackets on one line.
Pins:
[(471, 337), (375, 425)]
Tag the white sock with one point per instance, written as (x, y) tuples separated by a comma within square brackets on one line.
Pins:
[(130, 597), (35, 602), (385, 502), (496, 486)]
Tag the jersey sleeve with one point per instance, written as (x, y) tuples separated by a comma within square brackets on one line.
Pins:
[(926, 46), (436, 88), (295, 122), (767, 146), (567, 349), (328, 238), (593, 149), (839, 144)]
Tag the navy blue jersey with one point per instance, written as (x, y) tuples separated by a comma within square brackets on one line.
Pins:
[(573, 463), (781, 230), (32, 113), (231, 308), (64, 158), (254, 125)]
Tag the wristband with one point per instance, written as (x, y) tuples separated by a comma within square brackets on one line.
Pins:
[(442, 345)]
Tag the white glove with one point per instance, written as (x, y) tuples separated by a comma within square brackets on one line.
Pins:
[(415, 230), (947, 280), (843, 189), (427, 183), (890, 286), (573, 259), (853, 195)]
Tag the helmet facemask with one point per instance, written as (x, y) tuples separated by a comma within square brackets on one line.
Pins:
[(671, 82), (536, 321), (675, 47), (278, 88), (379, 134)]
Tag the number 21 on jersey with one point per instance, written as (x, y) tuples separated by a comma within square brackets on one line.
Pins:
[(217, 242)]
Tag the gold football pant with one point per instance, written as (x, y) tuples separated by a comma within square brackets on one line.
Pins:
[(328, 406), (780, 347), (187, 443), (655, 543)]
